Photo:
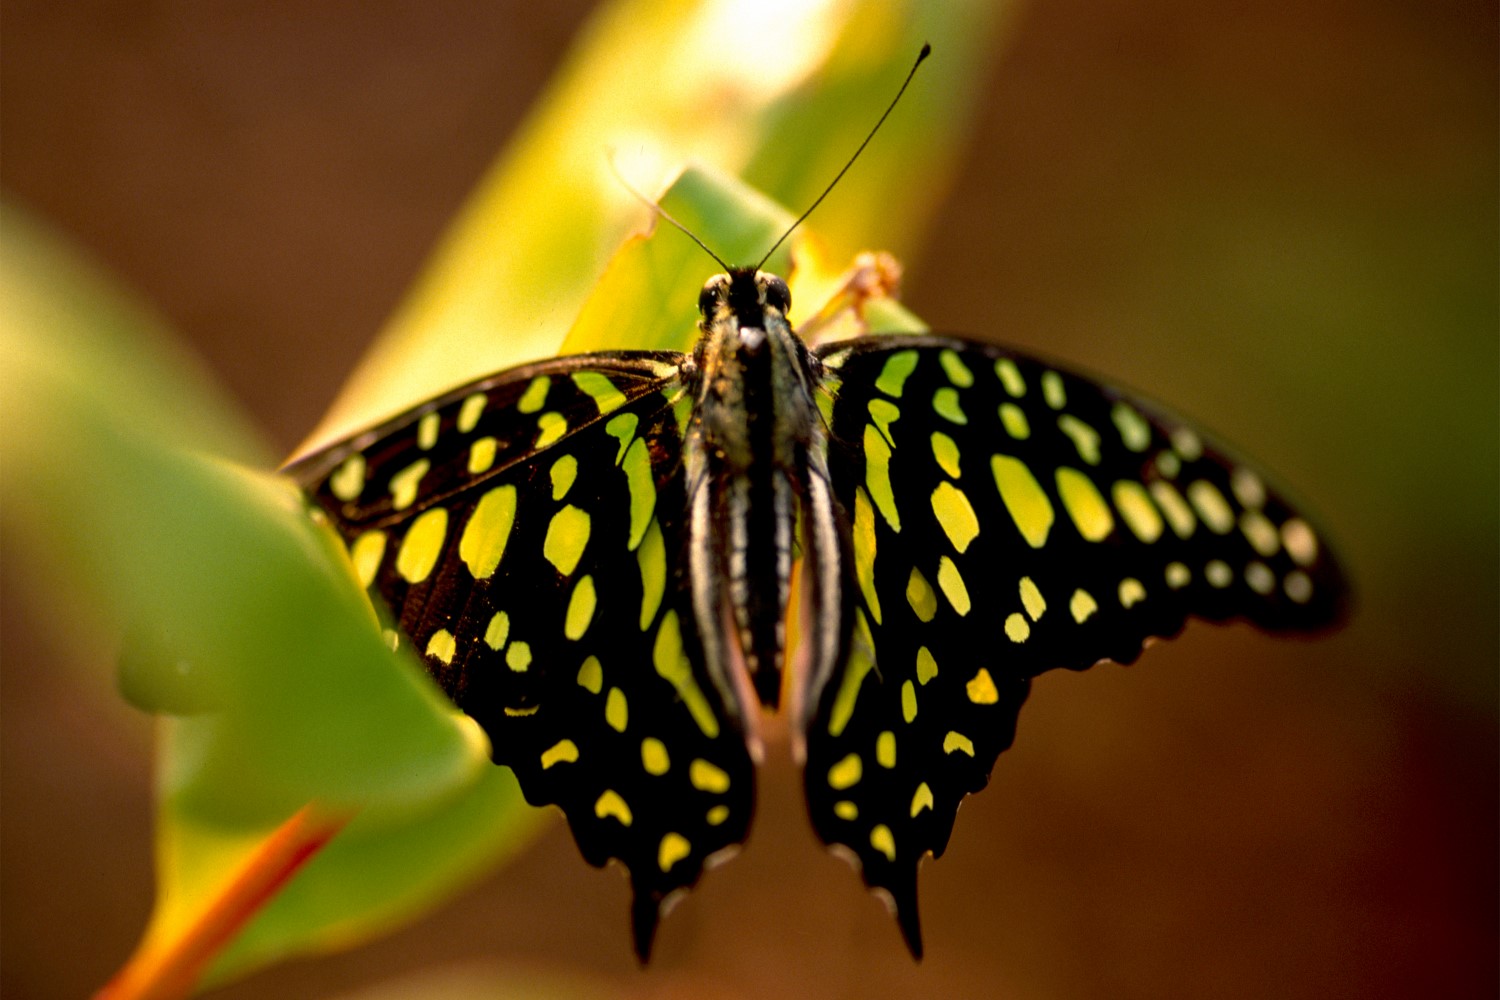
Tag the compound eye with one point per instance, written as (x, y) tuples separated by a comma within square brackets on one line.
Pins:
[(708, 297), (778, 296)]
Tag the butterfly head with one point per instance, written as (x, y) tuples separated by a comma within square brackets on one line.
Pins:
[(746, 294)]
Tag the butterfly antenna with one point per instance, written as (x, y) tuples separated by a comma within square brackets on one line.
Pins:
[(926, 51), (663, 213)]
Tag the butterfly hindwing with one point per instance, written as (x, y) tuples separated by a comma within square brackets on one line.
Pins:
[(1009, 517), (534, 560)]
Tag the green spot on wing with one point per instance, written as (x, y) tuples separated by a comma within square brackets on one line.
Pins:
[(893, 375)]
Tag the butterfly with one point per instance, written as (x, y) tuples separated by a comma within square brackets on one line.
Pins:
[(596, 557)]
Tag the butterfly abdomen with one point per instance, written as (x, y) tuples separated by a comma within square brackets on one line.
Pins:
[(755, 422)]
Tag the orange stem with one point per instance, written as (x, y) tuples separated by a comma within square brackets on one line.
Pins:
[(169, 972)]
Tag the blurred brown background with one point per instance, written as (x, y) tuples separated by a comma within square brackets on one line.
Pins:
[(1279, 218)]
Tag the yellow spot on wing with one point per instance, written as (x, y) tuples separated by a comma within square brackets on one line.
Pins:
[(610, 804), (1211, 506), (1010, 377), (550, 426), (920, 596), (884, 413), (1132, 592), (1013, 418), (567, 535), (427, 430), (908, 701), (481, 455), (564, 471), (1023, 498), (958, 741), (717, 814), (826, 395), (591, 675), (488, 531), (580, 609), (652, 559), (953, 366), (846, 810), (1260, 578), (946, 453), (952, 585), (882, 840), (1247, 487), (1017, 628), (405, 483), (598, 386), (885, 749), (878, 476), (442, 646), (945, 404), (846, 773), (1082, 605), (637, 467), (1187, 444), (469, 412), (1218, 573), (518, 657), (1136, 508), (497, 633), (674, 847), (1298, 586), (1179, 514), (422, 545), (672, 664), (894, 373), (1301, 544), (707, 777), (616, 710), (654, 756), (927, 667), (561, 752), (1032, 599), (921, 799), (535, 395), (1052, 390), (1084, 505), (348, 480), (521, 712), (622, 429), (1084, 437), (955, 515), (858, 666), (981, 688), (864, 551), (1260, 532), (366, 552), (1135, 433), (1178, 575)]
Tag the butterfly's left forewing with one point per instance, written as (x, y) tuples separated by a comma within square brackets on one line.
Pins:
[(526, 533), (1009, 517)]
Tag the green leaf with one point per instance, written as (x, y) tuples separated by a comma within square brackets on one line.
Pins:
[(118, 489)]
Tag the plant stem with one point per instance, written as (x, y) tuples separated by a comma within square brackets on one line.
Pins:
[(169, 969)]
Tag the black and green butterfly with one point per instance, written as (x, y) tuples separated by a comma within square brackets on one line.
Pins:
[(594, 556)]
